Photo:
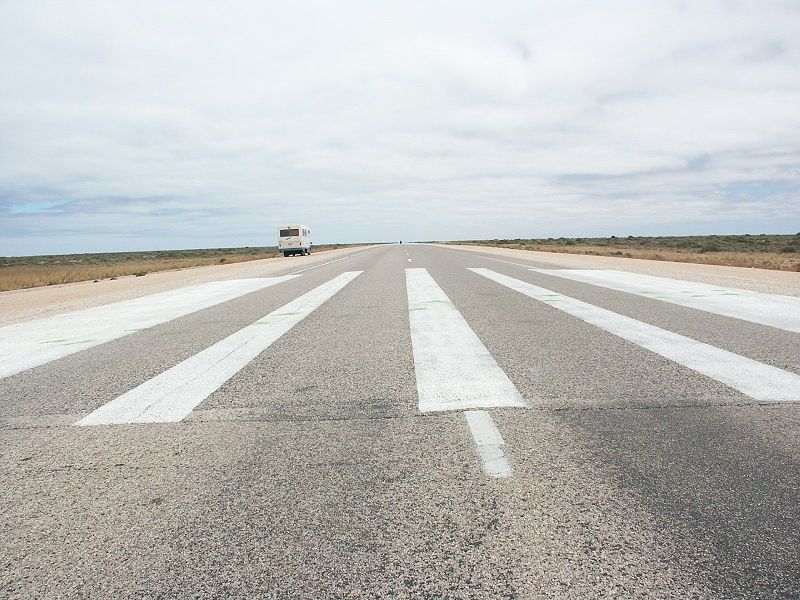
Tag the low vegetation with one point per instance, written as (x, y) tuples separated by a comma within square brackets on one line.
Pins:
[(34, 271), (780, 252)]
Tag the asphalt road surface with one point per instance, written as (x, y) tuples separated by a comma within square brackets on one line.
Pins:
[(406, 422)]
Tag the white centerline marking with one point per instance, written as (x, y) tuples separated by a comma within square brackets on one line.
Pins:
[(488, 443), (773, 310), (752, 378), (173, 394), (34, 343), (454, 370)]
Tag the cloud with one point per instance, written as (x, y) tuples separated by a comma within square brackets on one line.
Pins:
[(201, 124)]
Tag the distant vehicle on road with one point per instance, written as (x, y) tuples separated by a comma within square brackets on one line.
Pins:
[(294, 239)]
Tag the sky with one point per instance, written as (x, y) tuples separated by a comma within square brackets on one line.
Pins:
[(159, 125)]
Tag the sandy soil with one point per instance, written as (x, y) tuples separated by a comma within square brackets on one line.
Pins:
[(24, 305), (759, 280)]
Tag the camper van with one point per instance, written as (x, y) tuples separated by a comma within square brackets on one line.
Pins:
[(294, 239)]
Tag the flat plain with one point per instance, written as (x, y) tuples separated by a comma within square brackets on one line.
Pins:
[(406, 421)]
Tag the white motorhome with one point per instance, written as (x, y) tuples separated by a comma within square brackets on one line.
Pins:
[(294, 239)]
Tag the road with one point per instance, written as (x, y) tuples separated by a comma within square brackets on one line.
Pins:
[(406, 422)]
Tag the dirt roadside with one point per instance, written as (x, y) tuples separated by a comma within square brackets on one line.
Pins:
[(17, 306)]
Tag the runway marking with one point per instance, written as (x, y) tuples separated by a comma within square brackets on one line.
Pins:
[(489, 443), (34, 343), (454, 370), (479, 254), (330, 262), (773, 310), (173, 394), (757, 380)]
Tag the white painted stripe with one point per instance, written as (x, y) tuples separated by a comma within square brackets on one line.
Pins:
[(488, 443), (480, 254), (330, 262), (757, 380), (173, 394), (774, 310), (454, 370), (27, 345)]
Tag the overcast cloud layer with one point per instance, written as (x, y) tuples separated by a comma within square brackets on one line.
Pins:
[(136, 125)]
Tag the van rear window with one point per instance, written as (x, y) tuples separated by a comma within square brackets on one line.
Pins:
[(289, 232)]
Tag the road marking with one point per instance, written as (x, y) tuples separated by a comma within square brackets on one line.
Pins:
[(454, 370), (488, 443), (173, 394), (34, 343), (773, 310), (757, 380), (480, 254), (330, 262)]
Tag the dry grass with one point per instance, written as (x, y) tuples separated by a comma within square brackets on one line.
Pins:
[(34, 271), (27, 276), (777, 252)]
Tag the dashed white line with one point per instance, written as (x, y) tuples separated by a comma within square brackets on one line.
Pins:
[(773, 310), (454, 370), (752, 378), (173, 394), (488, 443), (34, 343)]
